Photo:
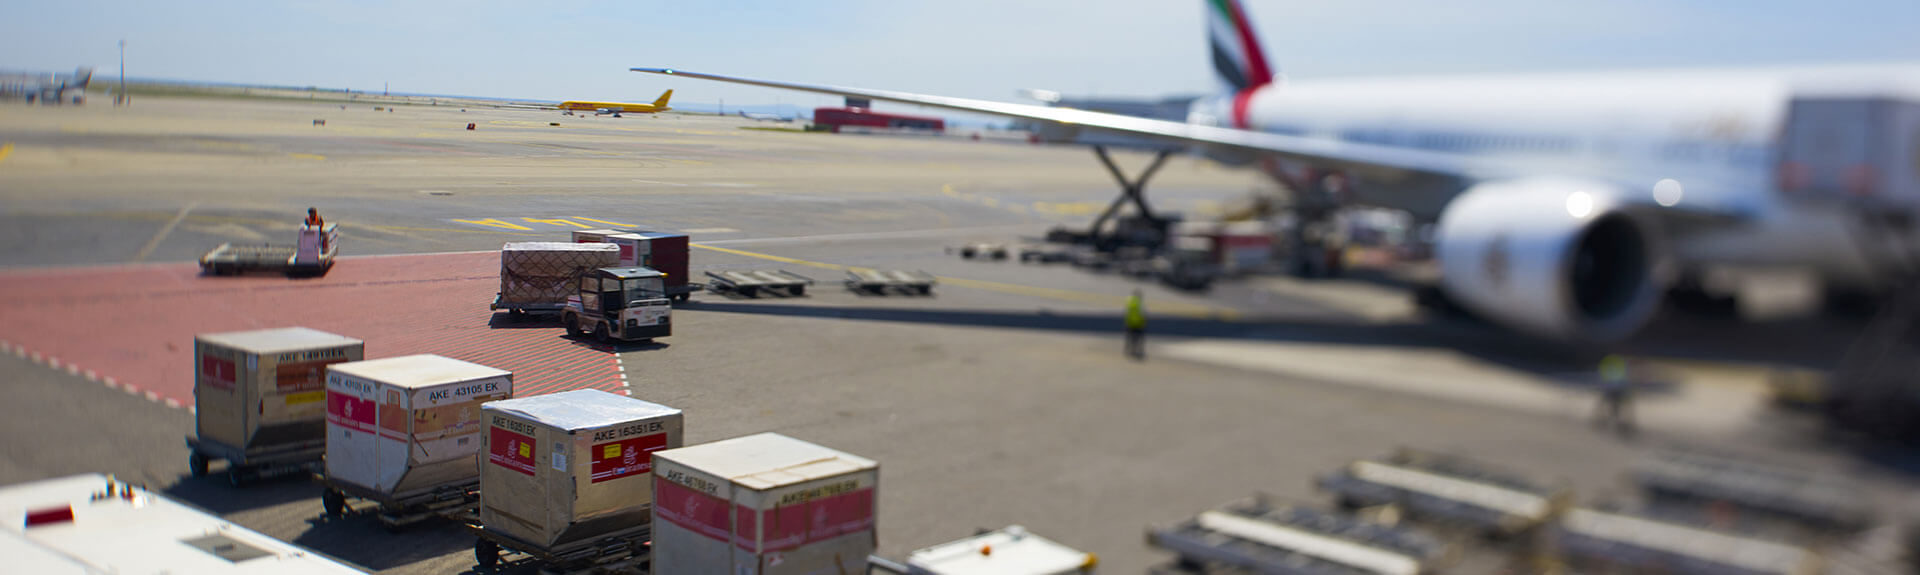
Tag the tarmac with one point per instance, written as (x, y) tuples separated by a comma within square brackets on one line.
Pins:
[(1001, 399)]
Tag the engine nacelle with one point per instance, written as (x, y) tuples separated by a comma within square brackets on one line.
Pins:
[(1554, 257)]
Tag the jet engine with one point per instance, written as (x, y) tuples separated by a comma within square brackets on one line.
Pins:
[(1554, 257)]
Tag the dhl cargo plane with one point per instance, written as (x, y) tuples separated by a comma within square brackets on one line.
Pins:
[(659, 105)]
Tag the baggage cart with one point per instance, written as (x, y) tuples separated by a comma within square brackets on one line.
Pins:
[(629, 548), (1595, 541), (247, 465), (311, 255), (398, 510), (752, 283), (881, 281), (1800, 498)]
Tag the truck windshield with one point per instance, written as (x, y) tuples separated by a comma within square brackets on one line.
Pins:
[(645, 288)]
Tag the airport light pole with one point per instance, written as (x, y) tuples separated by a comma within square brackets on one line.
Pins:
[(121, 97)]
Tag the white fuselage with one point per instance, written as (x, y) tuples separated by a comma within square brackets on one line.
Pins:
[(1716, 132)]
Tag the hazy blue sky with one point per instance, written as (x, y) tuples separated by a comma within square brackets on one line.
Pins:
[(977, 48)]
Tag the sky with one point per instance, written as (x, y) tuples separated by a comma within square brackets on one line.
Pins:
[(974, 48)]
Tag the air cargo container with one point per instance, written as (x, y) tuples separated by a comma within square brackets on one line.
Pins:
[(763, 504), (260, 398)]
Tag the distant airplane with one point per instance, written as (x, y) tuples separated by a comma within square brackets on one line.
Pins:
[(46, 88), (1563, 205), (659, 105), (765, 117)]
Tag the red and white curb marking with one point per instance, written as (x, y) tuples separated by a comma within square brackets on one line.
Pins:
[(621, 366), (75, 370)]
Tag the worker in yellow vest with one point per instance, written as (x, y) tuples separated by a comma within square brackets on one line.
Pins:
[(1136, 328), (1616, 389)]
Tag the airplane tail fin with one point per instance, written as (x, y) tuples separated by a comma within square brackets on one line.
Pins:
[(662, 102), (1238, 62)]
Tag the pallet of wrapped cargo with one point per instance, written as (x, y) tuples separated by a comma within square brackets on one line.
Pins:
[(567, 472), (661, 251), (405, 432), (763, 504), (538, 276), (260, 398)]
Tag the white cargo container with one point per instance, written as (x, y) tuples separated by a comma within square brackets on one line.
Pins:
[(91, 524), (572, 466), (402, 425), (1009, 551), (763, 505), (263, 392)]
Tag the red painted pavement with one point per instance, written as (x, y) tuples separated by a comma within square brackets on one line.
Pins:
[(135, 324)]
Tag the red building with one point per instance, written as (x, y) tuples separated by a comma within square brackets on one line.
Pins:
[(835, 118)]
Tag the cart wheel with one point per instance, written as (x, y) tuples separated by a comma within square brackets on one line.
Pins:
[(798, 290), (573, 324), (600, 334), (517, 312), (926, 290), (236, 476), (682, 298), (335, 502), (487, 553), (749, 291), (197, 464)]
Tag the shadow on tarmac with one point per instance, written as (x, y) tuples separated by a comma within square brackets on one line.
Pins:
[(212, 492), (360, 539), (1683, 337)]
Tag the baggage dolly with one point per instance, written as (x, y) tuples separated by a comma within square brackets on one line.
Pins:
[(244, 465), (398, 510), (879, 281), (631, 547), (751, 283)]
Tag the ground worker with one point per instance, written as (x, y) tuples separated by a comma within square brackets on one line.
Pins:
[(1616, 388), (1136, 328), (313, 218)]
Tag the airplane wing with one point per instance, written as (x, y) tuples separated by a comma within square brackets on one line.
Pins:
[(1458, 170), (1317, 150)]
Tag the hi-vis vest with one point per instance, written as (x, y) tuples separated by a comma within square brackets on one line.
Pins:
[(1135, 318)]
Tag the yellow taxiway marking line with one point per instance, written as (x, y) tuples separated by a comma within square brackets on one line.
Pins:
[(496, 223), (1111, 300), (615, 224), (456, 230), (6, 150), (314, 157)]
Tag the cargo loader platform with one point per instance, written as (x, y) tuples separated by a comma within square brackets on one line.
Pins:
[(751, 283), (881, 281)]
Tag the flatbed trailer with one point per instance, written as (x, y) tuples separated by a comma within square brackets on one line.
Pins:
[(246, 465), (526, 306), (628, 548), (1254, 536), (880, 281), (751, 283), (398, 510), (1795, 496), (313, 255), (1603, 542), (1448, 489)]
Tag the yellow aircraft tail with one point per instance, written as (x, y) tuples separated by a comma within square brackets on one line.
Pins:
[(662, 102)]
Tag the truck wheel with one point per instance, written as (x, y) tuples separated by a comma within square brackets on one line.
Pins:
[(601, 334), (486, 553), (236, 476), (197, 464), (682, 298), (573, 324), (334, 501)]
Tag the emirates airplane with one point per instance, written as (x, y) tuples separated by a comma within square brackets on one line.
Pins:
[(1566, 205)]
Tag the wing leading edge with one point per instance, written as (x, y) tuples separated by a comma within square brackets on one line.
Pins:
[(1316, 150)]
